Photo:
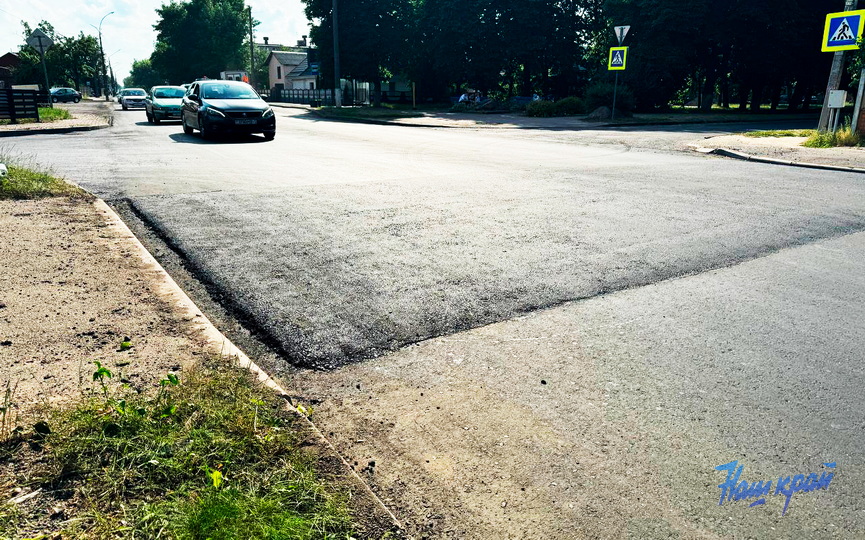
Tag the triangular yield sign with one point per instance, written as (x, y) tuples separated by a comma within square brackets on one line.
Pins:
[(843, 32)]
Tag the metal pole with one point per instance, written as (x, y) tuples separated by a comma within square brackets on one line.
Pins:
[(834, 77), (615, 90), (102, 55), (857, 111), (45, 71), (251, 50), (337, 88)]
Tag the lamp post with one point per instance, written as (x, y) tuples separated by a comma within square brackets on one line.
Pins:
[(102, 56)]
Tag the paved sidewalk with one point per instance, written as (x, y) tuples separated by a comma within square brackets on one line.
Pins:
[(87, 115)]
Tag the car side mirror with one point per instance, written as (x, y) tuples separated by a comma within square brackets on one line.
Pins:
[(194, 97)]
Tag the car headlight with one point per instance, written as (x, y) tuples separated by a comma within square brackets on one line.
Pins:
[(156, 107), (215, 112), (268, 112)]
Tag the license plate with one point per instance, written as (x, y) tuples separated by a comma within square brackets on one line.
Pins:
[(245, 121)]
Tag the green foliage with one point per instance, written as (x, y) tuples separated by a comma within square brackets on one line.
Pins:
[(225, 464), (600, 94), (143, 75), (781, 133), (27, 181), (71, 61), (541, 108), (570, 106), (199, 38), (830, 139)]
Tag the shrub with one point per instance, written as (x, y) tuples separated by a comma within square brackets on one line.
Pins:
[(600, 94), (829, 139), (542, 109), (570, 106)]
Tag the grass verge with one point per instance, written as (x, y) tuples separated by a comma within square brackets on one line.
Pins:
[(830, 139), (46, 114), (26, 181), (781, 133), (212, 456)]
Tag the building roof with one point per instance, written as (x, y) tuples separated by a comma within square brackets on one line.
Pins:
[(288, 58), (9, 60)]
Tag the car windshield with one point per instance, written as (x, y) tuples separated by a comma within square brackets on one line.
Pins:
[(134, 92), (168, 93), (227, 91)]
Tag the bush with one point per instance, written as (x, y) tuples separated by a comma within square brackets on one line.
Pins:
[(829, 139), (600, 94), (570, 106), (543, 109)]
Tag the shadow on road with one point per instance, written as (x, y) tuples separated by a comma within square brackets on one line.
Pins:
[(230, 139)]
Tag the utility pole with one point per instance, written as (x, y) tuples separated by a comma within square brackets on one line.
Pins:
[(251, 50), (337, 88), (834, 77), (102, 56)]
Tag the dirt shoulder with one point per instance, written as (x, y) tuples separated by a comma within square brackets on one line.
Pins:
[(787, 149), (86, 115), (73, 287)]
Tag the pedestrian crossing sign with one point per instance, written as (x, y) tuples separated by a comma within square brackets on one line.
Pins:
[(618, 59), (843, 30)]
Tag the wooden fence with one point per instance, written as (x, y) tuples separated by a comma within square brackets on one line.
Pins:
[(21, 104)]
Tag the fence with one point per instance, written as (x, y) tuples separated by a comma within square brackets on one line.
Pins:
[(20, 104), (353, 93)]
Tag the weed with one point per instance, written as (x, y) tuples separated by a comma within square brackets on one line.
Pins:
[(46, 115), (829, 139), (7, 405), (224, 464), (26, 181), (781, 133), (99, 376)]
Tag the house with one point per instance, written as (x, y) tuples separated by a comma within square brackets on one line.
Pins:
[(9, 60), (290, 70), (236, 75)]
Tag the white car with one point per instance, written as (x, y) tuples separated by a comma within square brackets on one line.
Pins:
[(131, 98)]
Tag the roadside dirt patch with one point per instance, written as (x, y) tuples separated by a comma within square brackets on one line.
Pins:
[(71, 292), (788, 148)]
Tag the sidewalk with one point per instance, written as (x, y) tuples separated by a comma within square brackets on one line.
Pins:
[(87, 116), (783, 151)]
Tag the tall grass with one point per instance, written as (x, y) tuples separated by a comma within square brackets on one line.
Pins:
[(829, 139), (26, 180)]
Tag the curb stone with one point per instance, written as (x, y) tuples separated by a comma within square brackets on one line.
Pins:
[(748, 157), (170, 291)]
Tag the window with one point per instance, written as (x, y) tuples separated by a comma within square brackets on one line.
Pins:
[(278, 72)]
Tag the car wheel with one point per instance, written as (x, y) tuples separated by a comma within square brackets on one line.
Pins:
[(202, 128), (76, 100), (186, 129), (149, 116), (125, 108), (155, 119), (55, 99), (269, 135)]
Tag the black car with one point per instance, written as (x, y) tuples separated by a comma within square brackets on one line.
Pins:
[(214, 107), (65, 95)]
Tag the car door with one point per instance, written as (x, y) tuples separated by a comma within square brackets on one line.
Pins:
[(189, 108)]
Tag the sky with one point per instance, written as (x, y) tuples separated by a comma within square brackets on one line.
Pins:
[(128, 33)]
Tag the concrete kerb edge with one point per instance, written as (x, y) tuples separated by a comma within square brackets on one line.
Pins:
[(54, 131), (169, 290), (748, 157)]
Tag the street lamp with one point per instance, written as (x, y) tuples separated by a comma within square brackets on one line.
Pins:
[(102, 56)]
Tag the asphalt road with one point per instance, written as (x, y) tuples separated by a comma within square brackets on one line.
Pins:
[(346, 241)]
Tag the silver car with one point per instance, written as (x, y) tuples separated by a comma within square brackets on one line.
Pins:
[(131, 98)]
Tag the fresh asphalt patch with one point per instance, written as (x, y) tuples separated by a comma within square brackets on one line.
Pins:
[(342, 272)]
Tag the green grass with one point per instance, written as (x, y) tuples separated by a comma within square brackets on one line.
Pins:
[(211, 456), (781, 133), (46, 114), (26, 181), (829, 139)]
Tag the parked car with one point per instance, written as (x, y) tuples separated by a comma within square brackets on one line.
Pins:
[(163, 103), (131, 97), (65, 95), (216, 106)]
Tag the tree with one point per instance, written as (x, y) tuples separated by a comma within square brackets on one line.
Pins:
[(199, 38), (143, 75), (373, 38), (69, 62)]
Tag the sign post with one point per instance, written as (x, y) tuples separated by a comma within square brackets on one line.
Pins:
[(840, 34), (40, 41), (617, 62)]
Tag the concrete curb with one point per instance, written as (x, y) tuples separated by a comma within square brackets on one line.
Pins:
[(169, 290), (748, 157), (53, 131)]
